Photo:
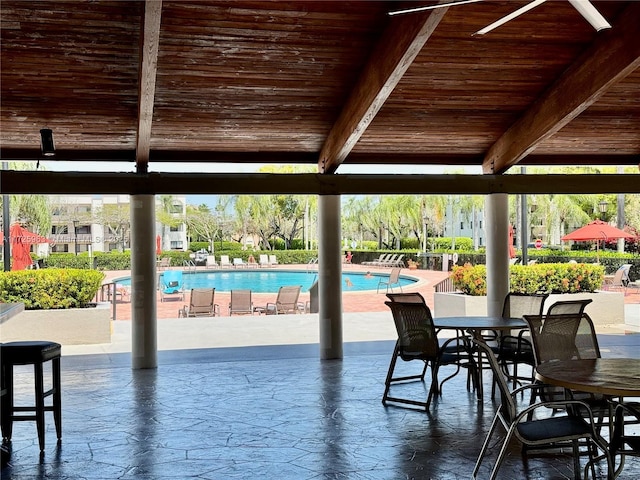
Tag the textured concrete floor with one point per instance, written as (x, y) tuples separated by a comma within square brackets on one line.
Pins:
[(272, 412)]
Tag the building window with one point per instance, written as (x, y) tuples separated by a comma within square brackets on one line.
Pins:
[(176, 208), (461, 225), (59, 229), (480, 223), (176, 245), (175, 229)]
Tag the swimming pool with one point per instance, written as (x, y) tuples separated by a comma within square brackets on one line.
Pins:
[(269, 281)]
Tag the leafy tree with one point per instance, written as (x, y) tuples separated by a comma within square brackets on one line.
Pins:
[(166, 216), (202, 225), (32, 210), (116, 218)]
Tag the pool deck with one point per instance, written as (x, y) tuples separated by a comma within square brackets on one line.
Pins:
[(366, 319), (363, 301)]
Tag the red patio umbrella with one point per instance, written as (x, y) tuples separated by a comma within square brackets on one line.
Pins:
[(21, 241), (512, 249), (596, 230), (158, 245)]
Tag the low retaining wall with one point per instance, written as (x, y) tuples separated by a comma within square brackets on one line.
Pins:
[(607, 308), (74, 326)]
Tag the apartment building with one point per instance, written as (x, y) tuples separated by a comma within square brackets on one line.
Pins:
[(101, 223)]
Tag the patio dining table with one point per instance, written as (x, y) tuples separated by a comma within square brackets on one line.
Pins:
[(612, 377), (475, 325)]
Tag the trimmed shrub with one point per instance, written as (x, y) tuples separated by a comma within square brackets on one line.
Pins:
[(543, 277), (51, 288)]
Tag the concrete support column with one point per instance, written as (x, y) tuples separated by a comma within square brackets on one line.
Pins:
[(330, 277), (497, 233), (144, 326)]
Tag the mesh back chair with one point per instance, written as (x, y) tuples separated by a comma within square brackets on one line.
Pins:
[(562, 337), (459, 344), (413, 297), (201, 304), (417, 340), (568, 337), (575, 307), (286, 302), (513, 349), (534, 430), (241, 302)]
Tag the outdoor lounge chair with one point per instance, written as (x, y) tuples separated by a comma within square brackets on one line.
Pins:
[(163, 263), (225, 262), (273, 260), (382, 261), (241, 302), (264, 260), (172, 284), (374, 262), (399, 262), (619, 280), (239, 263), (389, 262), (391, 280), (211, 261), (538, 431), (286, 302), (201, 304)]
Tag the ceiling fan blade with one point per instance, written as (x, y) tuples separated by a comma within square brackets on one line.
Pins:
[(590, 14), (511, 16), (432, 7)]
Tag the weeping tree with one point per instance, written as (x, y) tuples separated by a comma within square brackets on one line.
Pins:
[(116, 219), (202, 224)]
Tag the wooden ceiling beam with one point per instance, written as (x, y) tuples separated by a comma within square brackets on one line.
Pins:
[(55, 183), (611, 57), (399, 45), (307, 158), (149, 46)]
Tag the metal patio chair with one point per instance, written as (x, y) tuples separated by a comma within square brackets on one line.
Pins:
[(241, 302), (286, 302), (538, 430), (201, 304), (418, 340)]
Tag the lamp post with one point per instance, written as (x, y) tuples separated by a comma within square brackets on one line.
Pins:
[(424, 233), (602, 206), (75, 236)]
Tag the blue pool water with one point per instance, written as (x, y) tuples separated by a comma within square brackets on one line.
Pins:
[(269, 281)]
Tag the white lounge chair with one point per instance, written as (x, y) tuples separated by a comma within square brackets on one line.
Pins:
[(264, 260), (273, 260), (225, 262), (211, 261)]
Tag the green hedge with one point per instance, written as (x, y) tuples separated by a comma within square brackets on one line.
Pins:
[(543, 277), (51, 288)]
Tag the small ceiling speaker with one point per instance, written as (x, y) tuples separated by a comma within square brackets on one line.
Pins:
[(46, 142)]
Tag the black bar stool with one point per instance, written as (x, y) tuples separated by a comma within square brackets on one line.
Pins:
[(34, 353)]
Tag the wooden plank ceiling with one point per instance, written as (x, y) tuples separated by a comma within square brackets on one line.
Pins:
[(322, 83)]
